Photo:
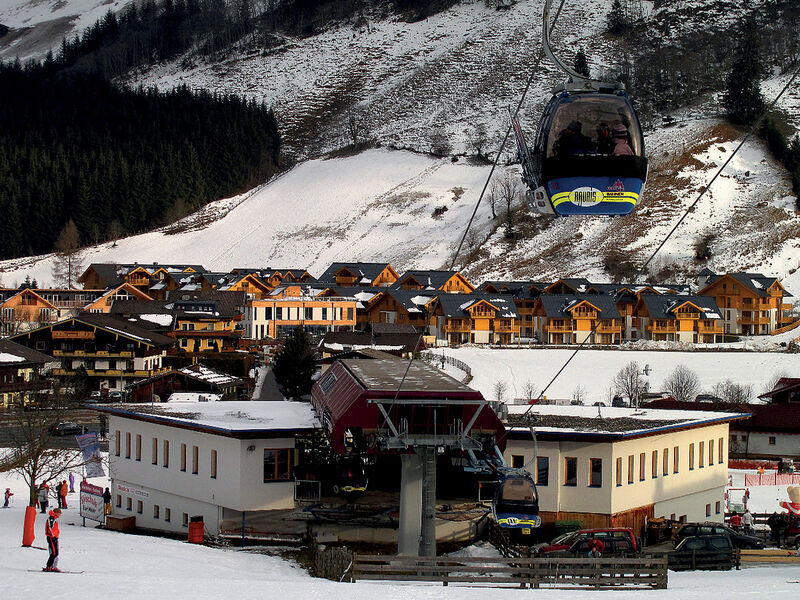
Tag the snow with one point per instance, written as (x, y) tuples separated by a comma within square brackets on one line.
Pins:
[(595, 369), (234, 416), (128, 566), (5, 357), (159, 319), (194, 397)]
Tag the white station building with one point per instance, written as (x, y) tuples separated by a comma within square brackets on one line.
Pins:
[(618, 467), (173, 461)]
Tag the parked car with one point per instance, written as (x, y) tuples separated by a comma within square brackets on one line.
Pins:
[(739, 539), (786, 465), (66, 428), (621, 545), (702, 552), (117, 396), (609, 535)]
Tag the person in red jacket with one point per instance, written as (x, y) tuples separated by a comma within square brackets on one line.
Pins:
[(51, 533), (596, 547), (63, 490), (736, 520)]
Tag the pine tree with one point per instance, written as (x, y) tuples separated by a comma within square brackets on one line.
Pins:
[(294, 365), (581, 64), (617, 20), (743, 99)]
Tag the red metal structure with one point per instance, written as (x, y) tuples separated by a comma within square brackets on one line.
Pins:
[(362, 403)]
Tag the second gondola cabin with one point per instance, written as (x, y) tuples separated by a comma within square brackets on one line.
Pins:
[(588, 157)]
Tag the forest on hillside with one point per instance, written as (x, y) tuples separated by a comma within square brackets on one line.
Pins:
[(73, 147)]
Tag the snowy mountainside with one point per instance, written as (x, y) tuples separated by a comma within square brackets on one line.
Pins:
[(37, 26), (389, 205)]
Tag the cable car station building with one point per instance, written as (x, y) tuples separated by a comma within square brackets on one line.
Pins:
[(617, 467)]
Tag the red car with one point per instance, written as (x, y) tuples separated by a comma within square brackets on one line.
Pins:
[(607, 534)]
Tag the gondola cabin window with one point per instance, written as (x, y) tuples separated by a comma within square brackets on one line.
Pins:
[(277, 465)]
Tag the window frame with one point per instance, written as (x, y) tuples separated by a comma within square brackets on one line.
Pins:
[(195, 460), (155, 451), (642, 466), (631, 468), (278, 474), (665, 463), (138, 447), (676, 459), (543, 467), (619, 471), (654, 465), (596, 470), (165, 458), (570, 464), (213, 464), (183, 457)]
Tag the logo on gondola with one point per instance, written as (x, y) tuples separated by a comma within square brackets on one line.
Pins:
[(512, 521), (586, 196), (617, 187)]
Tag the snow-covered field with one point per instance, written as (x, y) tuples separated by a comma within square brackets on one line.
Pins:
[(124, 566), (594, 370)]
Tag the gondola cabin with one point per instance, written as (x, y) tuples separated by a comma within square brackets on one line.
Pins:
[(588, 157), (516, 502)]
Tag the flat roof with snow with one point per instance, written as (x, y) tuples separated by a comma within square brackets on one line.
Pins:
[(245, 419), (602, 423)]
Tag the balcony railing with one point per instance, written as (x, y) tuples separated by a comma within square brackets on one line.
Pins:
[(753, 320), (559, 328), (98, 353), (709, 327), (663, 328)]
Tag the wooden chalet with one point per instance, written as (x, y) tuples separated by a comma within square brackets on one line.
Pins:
[(196, 378), (750, 303), (787, 389), (22, 373), (207, 321), (575, 319), (25, 310), (140, 276), (474, 319), (403, 307), (676, 318), (525, 294), (110, 351), (450, 282), (123, 292), (291, 306), (359, 274)]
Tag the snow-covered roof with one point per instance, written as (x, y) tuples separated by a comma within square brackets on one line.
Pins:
[(194, 397), (225, 418), (609, 421)]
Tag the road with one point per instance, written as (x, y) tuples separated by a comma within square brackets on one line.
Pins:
[(9, 428)]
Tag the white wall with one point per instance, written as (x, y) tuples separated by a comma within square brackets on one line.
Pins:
[(757, 444), (239, 484), (667, 492)]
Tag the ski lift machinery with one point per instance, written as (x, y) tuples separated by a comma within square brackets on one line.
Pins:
[(588, 156)]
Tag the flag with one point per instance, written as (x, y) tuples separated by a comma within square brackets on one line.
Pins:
[(92, 458)]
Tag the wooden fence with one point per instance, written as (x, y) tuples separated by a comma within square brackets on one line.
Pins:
[(705, 560), (648, 571)]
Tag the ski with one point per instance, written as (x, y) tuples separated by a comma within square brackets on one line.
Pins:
[(43, 571)]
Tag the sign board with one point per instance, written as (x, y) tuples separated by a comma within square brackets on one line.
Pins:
[(92, 458), (91, 499), (132, 491)]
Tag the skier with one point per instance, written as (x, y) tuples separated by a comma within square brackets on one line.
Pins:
[(51, 533), (43, 490), (71, 483), (62, 490), (9, 493), (107, 502)]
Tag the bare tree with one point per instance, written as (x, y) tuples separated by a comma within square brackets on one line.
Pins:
[(529, 390), (440, 144), (507, 191), (499, 390), (770, 384), (494, 196), (356, 125), (682, 384), (579, 395), (33, 456), (68, 258), (734, 393), (478, 138), (630, 383)]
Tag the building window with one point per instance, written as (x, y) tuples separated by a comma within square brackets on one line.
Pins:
[(710, 453), (156, 510), (596, 472), (185, 520), (267, 313), (701, 455), (676, 459), (542, 470), (155, 451), (118, 443), (708, 510), (277, 465), (195, 459), (619, 472), (719, 449), (642, 458), (630, 468), (119, 501), (129, 504), (517, 461), (570, 471), (167, 515), (772, 440), (139, 506), (166, 454), (308, 313), (183, 457), (665, 462), (349, 314), (654, 465), (717, 507), (128, 444), (138, 447), (691, 456), (213, 464)]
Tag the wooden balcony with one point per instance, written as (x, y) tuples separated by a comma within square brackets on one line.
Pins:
[(709, 327), (753, 320), (608, 328), (97, 354), (559, 328), (663, 328)]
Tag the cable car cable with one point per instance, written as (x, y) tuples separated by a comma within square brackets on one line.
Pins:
[(640, 271), (503, 143)]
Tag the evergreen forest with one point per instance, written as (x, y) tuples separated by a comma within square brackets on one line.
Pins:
[(117, 160)]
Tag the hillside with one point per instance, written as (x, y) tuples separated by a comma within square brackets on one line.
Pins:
[(454, 71)]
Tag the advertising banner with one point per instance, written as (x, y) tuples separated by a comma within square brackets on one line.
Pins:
[(91, 499), (92, 457)]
